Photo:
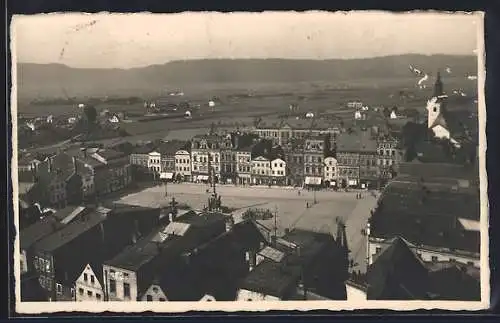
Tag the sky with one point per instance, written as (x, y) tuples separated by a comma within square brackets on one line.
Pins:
[(135, 40)]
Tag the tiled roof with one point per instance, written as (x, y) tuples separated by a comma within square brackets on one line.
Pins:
[(169, 148), (453, 283), (437, 170), (110, 154), (271, 278), (426, 217), (358, 141), (397, 274), (38, 230), (69, 232)]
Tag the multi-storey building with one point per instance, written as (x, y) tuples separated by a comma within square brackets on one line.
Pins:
[(294, 158), (281, 131), (128, 275), (244, 164), (261, 170), (357, 159), (168, 151), (314, 160), (183, 165), (205, 151), (330, 171), (389, 156), (438, 220), (228, 161), (278, 172)]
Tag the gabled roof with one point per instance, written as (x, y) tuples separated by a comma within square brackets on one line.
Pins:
[(272, 278), (454, 283), (169, 148), (38, 230), (397, 273), (357, 141), (69, 232), (110, 154)]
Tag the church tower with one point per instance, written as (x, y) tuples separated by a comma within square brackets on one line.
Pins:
[(438, 86)]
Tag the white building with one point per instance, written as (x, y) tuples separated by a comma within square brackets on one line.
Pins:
[(330, 170), (436, 120), (393, 115), (261, 170), (278, 168), (154, 161), (89, 286), (154, 294), (183, 164), (358, 115)]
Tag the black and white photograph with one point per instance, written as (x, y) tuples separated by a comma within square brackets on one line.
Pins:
[(205, 161)]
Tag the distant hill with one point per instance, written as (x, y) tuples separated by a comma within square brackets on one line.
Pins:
[(48, 80)]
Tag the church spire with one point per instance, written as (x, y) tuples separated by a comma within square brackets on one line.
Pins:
[(438, 86)]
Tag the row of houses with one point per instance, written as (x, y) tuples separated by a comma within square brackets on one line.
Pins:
[(354, 159), (124, 253), (73, 176)]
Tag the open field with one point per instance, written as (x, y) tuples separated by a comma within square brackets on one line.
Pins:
[(240, 103), (290, 206)]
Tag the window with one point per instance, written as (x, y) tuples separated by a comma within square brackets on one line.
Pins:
[(126, 289), (80, 291), (89, 293), (377, 250), (453, 260), (149, 298), (112, 286), (125, 275), (85, 278), (434, 258), (92, 279), (59, 288), (98, 296)]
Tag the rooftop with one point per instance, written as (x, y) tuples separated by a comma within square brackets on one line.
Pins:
[(397, 273), (38, 230), (357, 141), (427, 218), (69, 232), (169, 148), (110, 154), (438, 170), (272, 278)]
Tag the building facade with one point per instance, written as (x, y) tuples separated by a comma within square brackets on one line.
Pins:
[(88, 286), (314, 160), (244, 165), (183, 165), (330, 171), (205, 153), (261, 171), (278, 172)]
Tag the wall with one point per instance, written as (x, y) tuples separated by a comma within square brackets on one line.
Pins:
[(121, 276), (247, 295), (89, 289), (355, 294), (425, 254), (156, 294), (23, 262)]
